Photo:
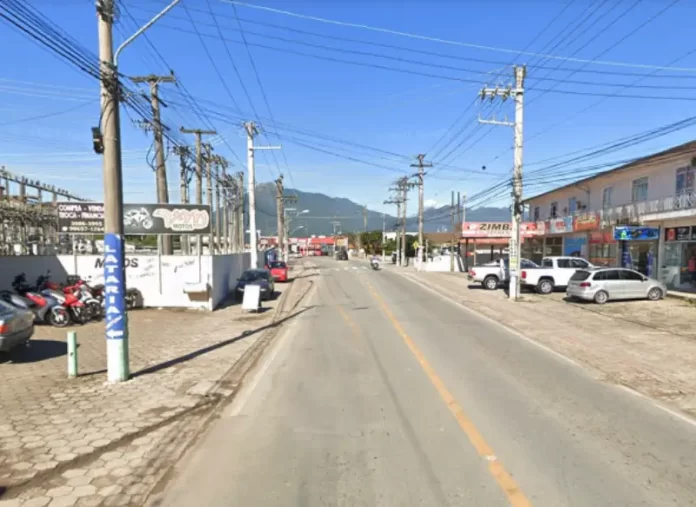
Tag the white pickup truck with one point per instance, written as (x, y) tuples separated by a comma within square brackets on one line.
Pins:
[(553, 272), (493, 274)]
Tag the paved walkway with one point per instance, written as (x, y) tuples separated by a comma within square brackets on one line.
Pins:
[(83, 442), (647, 346)]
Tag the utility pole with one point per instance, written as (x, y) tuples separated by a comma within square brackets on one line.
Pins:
[(209, 160), (114, 265), (161, 168), (219, 182), (398, 200), (404, 242), (384, 234), (452, 241), (421, 165), (518, 93), (183, 152), (199, 170), (252, 131), (280, 212)]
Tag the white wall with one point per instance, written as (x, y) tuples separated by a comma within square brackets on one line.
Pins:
[(661, 183), (163, 281), (226, 270)]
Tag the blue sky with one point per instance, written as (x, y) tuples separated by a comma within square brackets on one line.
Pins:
[(397, 112)]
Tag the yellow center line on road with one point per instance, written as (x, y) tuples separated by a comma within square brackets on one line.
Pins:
[(509, 486)]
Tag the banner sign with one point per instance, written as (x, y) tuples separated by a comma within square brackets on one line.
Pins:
[(633, 232), (679, 234), (114, 288), (587, 222), (561, 225), (496, 229), (138, 219)]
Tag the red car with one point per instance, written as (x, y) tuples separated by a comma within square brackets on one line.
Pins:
[(279, 271)]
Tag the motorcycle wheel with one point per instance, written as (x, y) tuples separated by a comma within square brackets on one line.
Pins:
[(81, 314), (58, 317), (134, 299), (95, 310)]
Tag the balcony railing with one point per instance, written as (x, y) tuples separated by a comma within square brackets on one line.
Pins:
[(634, 212)]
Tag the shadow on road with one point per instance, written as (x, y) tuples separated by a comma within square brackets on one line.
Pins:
[(38, 350), (192, 355)]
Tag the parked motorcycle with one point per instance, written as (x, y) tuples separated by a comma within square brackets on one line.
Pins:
[(78, 289), (46, 309)]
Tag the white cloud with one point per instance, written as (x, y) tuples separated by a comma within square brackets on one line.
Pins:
[(430, 203)]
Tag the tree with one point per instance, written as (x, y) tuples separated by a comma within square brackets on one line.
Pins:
[(372, 242)]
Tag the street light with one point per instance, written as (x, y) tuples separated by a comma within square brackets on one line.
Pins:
[(288, 220), (298, 227)]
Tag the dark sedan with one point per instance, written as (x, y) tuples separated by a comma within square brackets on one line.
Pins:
[(260, 277)]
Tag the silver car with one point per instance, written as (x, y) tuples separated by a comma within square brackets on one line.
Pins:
[(16, 326), (603, 284)]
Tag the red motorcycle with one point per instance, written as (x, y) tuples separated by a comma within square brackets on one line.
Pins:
[(77, 309), (92, 308), (45, 308)]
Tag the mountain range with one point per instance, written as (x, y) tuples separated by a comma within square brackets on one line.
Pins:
[(324, 209)]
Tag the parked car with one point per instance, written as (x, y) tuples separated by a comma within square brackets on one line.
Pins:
[(554, 272), (605, 284), (493, 274), (279, 271), (260, 277), (16, 326)]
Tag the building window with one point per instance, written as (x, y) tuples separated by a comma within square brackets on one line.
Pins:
[(572, 205), (685, 180), (606, 197), (554, 210), (640, 190), (536, 214)]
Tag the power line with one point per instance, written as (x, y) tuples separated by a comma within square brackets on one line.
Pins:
[(449, 42)]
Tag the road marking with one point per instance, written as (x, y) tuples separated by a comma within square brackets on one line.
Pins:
[(509, 486)]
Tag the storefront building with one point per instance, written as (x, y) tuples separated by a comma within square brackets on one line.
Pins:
[(638, 247), (676, 248), (496, 236)]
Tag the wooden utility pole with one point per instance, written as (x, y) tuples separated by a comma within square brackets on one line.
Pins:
[(199, 168), (160, 167)]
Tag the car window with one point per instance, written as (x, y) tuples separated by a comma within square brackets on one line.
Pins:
[(580, 276), (564, 263), (277, 264), (578, 263), (528, 264), (631, 275), (546, 263), (612, 274), (599, 276), (250, 276)]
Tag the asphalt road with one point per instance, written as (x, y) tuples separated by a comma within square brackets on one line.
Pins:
[(384, 394)]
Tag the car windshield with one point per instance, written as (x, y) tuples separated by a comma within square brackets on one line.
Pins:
[(251, 275), (580, 276), (277, 264)]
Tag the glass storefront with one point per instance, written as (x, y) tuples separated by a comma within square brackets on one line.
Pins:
[(642, 256), (603, 248), (678, 266), (533, 249), (553, 247)]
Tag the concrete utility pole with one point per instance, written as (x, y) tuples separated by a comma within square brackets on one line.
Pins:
[(251, 132), (161, 168), (421, 165), (118, 368), (208, 159), (108, 138), (184, 153), (219, 182), (404, 242), (518, 93), (280, 212), (384, 235), (199, 170), (398, 200), (452, 241)]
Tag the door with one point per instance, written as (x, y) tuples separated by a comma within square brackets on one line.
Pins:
[(612, 283), (634, 286)]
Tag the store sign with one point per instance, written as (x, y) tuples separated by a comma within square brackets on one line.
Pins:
[(496, 229), (679, 233), (586, 222), (636, 233), (560, 225), (114, 288), (602, 237), (541, 228), (138, 219)]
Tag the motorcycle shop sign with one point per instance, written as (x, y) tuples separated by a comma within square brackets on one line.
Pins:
[(138, 219), (496, 229)]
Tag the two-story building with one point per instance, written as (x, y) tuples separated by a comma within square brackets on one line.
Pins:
[(640, 215)]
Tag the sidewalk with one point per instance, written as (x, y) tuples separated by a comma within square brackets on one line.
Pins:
[(83, 442), (647, 346)]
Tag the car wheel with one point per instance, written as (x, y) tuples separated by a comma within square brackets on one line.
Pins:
[(654, 294), (601, 297), (490, 283), (545, 287)]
